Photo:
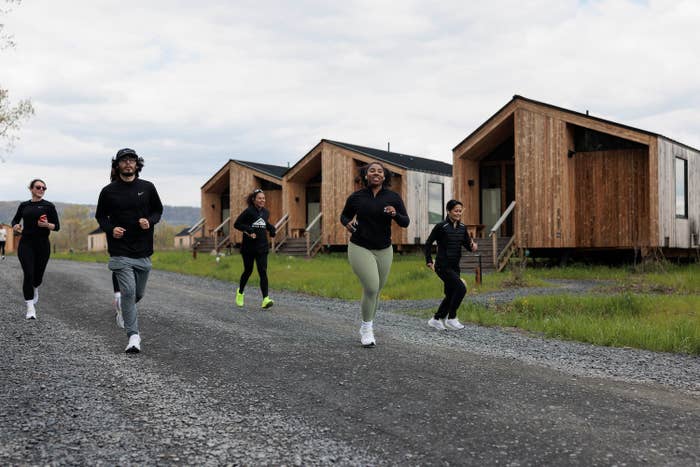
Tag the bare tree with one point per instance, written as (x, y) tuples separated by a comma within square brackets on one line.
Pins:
[(11, 116)]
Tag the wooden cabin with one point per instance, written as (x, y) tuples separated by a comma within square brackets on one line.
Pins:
[(224, 198), (319, 184), (577, 181), (97, 240), (12, 240)]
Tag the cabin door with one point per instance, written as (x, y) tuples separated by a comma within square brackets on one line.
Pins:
[(225, 211), (313, 206), (497, 183)]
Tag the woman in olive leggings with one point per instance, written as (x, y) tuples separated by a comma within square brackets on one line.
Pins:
[(367, 215)]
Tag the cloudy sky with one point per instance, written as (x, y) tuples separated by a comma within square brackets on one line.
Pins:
[(191, 84)]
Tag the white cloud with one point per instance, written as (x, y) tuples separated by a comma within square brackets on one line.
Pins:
[(191, 84)]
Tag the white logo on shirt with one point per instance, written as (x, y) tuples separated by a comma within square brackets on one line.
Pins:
[(140, 193), (259, 224)]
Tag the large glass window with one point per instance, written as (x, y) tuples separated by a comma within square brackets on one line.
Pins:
[(681, 188), (436, 202)]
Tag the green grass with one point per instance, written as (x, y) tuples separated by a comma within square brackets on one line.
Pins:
[(650, 310), (652, 322)]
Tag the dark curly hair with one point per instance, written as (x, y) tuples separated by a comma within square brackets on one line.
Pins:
[(124, 153), (251, 197), (387, 174)]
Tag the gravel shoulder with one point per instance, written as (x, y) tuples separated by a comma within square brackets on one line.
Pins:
[(217, 385)]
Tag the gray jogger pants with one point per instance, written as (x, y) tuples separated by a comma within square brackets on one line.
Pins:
[(132, 275)]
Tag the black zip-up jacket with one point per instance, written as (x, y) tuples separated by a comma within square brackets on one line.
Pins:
[(30, 212), (254, 220), (450, 238), (373, 225), (122, 204)]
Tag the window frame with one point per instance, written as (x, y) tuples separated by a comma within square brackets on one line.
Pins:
[(683, 215), (442, 202)]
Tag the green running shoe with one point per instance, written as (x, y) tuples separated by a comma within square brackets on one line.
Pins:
[(239, 297), (267, 302)]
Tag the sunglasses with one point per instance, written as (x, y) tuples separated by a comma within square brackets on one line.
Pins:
[(256, 191), (39, 187)]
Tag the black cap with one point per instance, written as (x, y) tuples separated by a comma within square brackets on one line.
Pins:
[(126, 152)]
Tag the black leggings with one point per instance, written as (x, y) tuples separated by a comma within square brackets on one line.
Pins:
[(455, 290), (261, 260), (33, 256), (2, 248), (115, 283)]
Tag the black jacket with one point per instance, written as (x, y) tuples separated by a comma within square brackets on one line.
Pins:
[(30, 212), (122, 204), (450, 238), (255, 221), (373, 228)]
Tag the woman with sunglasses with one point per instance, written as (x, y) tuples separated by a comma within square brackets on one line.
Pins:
[(39, 218), (254, 223)]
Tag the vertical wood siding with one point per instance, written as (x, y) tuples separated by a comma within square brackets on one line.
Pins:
[(612, 199), (417, 202), (542, 176), (677, 230)]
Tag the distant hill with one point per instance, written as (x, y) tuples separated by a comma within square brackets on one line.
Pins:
[(173, 215)]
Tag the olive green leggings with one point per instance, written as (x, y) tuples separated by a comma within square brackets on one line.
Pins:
[(372, 268)]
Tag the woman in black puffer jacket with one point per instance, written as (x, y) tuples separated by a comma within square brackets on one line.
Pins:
[(450, 236)]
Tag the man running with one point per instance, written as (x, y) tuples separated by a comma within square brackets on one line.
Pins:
[(127, 211)]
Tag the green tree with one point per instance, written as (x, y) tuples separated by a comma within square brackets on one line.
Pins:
[(164, 235), (76, 223), (11, 116)]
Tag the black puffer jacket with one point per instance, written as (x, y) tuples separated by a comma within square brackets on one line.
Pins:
[(450, 238)]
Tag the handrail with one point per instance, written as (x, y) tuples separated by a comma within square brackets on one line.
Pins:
[(494, 231), (502, 219), (282, 233), (312, 224), (218, 245), (310, 246), (221, 226), (198, 226)]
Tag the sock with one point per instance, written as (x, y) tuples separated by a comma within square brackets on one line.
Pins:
[(367, 325), (30, 304), (36, 295), (117, 295)]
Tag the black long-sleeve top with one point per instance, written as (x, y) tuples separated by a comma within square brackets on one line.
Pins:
[(254, 220), (450, 238), (373, 225), (122, 204), (30, 212)]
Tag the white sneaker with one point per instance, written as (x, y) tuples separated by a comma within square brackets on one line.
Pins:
[(134, 345), (367, 336), (453, 324), (31, 312), (436, 323), (118, 312)]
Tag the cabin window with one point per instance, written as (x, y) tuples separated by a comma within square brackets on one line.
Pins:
[(436, 201), (681, 188)]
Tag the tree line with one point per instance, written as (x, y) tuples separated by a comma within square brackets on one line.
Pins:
[(78, 221)]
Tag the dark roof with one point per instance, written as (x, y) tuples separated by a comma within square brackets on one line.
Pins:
[(96, 231), (406, 161), (276, 171), (184, 232), (562, 109)]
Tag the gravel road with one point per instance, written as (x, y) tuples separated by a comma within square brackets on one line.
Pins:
[(219, 385)]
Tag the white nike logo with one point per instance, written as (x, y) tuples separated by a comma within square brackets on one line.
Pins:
[(140, 193)]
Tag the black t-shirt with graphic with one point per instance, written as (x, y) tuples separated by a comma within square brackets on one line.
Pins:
[(254, 220)]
